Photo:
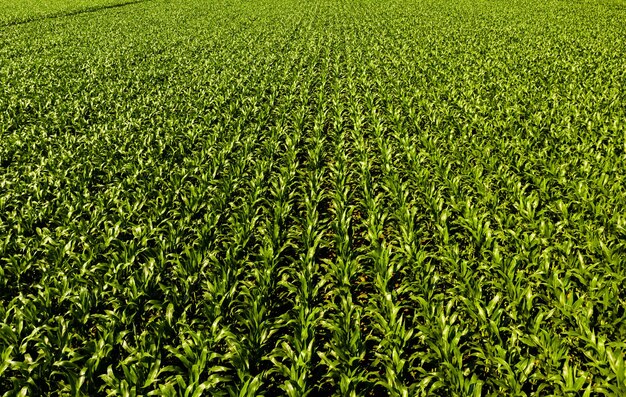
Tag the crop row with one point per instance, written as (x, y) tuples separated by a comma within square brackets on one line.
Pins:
[(314, 198)]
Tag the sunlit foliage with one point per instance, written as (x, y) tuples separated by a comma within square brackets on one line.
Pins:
[(312, 198)]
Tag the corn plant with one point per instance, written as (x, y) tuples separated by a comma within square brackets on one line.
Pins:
[(333, 198)]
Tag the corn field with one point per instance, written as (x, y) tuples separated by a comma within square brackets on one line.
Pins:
[(313, 198)]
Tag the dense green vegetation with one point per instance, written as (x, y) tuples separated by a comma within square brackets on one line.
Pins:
[(21, 11), (280, 197)]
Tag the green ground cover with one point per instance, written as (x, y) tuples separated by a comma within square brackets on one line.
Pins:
[(280, 197), (20, 11)]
